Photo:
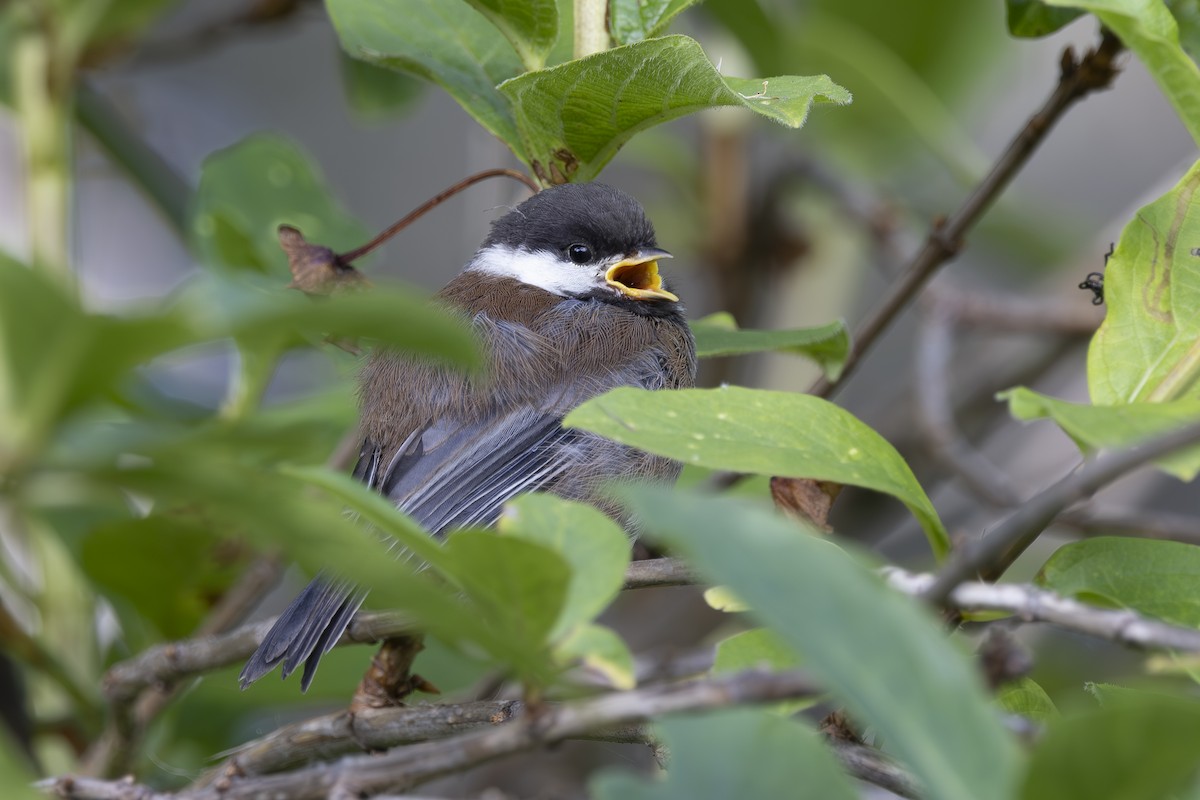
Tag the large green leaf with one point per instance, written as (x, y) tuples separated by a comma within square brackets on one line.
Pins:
[(735, 753), (1148, 29), (531, 26), (634, 20), (1119, 425), (248, 190), (573, 118), (1155, 577), (882, 654), (768, 433), (592, 544), (1148, 347), (828, 345), (445, 41), (1143, 750)]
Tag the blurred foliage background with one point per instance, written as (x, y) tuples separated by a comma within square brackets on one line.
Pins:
[(199, 126)]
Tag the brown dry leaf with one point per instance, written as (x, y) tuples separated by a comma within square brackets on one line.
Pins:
[(315, 268), (805, 499)]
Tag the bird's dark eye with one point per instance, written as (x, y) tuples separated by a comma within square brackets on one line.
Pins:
[(579, 253)]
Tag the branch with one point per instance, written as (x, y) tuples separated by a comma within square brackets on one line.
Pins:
[(935, 413), (1078, 79), (175, 661), (405, 767), (340, 733), (1032, 604), (659, 572), (992, 555)]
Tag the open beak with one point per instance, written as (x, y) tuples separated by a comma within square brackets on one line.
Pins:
[(637, 276)]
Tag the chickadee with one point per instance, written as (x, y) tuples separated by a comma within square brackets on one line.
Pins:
[(567, 301)]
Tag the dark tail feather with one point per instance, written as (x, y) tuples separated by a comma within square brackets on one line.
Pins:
[(305, 631)]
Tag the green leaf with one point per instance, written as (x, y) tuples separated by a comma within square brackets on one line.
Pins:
[(531, 26), (594, 546), (1148, 347), (574, 117), (171, 568), (1119, 425), (78, 356), (769, 433), (395, 315), (1032, 19), (754, 649), (760, 648), (828, 345), (518, 587), (444, 41), (601, 650), (634, 20), (735, 753), (1141, 750), (1158, 578), (1147, 28), (377, 510), (377, 93), (122, 20), (882, 654), (248, 190), (721, 598), (1187, 17), (1027, 699), (275, 511)]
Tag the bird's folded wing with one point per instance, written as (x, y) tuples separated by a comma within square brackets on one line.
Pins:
[(452, 474)]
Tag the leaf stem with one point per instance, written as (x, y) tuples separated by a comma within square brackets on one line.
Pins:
[(42, 98), (591, 27)]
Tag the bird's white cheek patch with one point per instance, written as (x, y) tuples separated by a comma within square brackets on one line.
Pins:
[(539, 268)]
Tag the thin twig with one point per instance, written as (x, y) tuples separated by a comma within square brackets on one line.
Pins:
[(1078, 79), (935, 413), (1005, 312), (352, 255), (992, 555), (1032, 604), (176, 661), (1144, 524), (405, 767)]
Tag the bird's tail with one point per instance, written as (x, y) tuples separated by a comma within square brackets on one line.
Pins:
[(305, 631)]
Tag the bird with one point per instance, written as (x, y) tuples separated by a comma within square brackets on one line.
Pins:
[(566, 300)]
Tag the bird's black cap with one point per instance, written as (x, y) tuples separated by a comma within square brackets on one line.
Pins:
[(606, 219)]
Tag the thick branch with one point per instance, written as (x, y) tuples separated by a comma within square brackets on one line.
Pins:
[(1094, 72), (992, 555), (401, 768)]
